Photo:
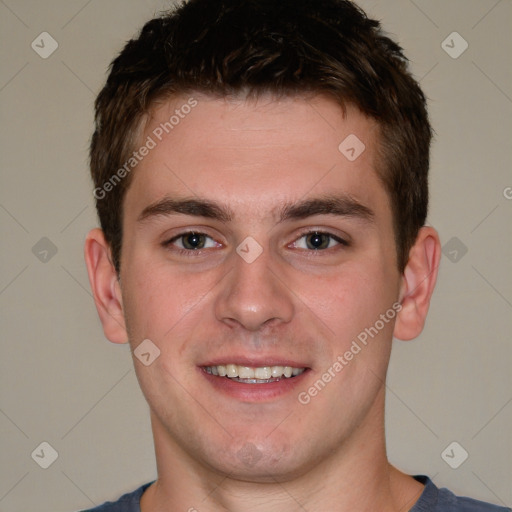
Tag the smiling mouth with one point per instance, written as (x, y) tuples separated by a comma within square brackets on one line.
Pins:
[(253, 375)]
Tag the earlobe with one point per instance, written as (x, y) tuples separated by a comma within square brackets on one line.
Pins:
[(105, 286), (418, 282)]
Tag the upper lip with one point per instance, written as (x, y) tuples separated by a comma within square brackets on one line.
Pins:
[(255, 362)]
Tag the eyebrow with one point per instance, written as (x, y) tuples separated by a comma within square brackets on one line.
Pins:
[(339, 204)]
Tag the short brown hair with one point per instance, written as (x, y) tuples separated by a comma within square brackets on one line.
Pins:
[(286, 47)]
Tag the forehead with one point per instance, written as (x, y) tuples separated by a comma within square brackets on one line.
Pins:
[(252, 153)]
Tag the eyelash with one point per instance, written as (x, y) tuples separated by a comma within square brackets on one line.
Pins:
[(198, 252), (337, 239)]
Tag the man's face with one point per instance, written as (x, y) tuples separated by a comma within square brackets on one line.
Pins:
[(319, 267)]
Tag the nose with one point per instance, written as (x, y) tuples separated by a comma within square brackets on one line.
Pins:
[(254, 295)]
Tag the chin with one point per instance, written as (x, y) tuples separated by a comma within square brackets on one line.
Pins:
[(259, 460)]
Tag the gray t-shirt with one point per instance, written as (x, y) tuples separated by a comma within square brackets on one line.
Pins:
[(432, 499)]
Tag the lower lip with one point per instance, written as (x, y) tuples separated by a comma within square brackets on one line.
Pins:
[(255, 392)]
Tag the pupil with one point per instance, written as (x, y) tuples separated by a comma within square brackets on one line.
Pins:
[(193, 241), (317, 240)]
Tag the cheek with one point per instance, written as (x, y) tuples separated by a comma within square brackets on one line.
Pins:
[(350, 299), (149, 301), (159, 301)]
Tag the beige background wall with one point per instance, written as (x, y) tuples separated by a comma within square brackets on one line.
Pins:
[(64, 384)]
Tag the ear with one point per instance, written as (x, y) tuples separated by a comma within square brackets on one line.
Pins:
[(418, 282), (105, 286)]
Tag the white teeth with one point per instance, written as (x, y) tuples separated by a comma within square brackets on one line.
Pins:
[(244, 372), (263, 373), (231, 370), (277, 371)]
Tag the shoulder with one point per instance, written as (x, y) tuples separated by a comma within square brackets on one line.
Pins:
[(443, 500), (129, 502)]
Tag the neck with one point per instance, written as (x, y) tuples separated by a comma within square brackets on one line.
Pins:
[(357, 476)]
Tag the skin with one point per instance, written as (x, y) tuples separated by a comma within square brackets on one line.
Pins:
[(217, 452)]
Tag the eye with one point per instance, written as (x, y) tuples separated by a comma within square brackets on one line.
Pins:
[(192, 241), (318, 240)]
